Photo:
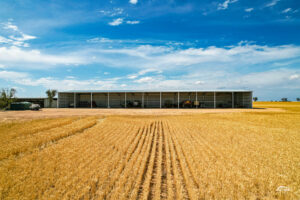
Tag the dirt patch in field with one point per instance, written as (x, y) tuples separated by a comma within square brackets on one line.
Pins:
[(49, 113)]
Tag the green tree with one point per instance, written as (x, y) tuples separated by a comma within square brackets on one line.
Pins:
[(51, 94), (298, 99), (255, 98), (284, 99), (7, 96)]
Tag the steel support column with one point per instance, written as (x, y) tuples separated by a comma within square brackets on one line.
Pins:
[(251, 99), (197, 99), (232, 99), (91, 100), (214, 99), (74, 100), (160, 100), (108, 100), (178, 100), (57, 103), (143, 104), (125, 104)]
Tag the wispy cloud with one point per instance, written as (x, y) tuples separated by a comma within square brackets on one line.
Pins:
[(14, 36), (15, 56), (113, 12), (163, 57), (287, 10), (294, 77), (249, 9), (133, 1), (116, 22), (225, 4), (132, 22), (199, 82), (147, 79), (10, 26), (272, 3), (143, 72)]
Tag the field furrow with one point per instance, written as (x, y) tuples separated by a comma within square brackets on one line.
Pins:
[(146, 183), (171, 190), (181, 188), (120, 179), (141, 168)]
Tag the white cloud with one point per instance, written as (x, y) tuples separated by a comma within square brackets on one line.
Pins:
[(70, 77), (14, 56), (287, 10), (2, 66), (132, 76), (143, 72), (144, 57), (132, 22), (272, 3), (199, 82), (15, 37), (116, 22), (225, 4), (10, 26), (133, 1), (294, 76), (113, 12), (100, 40), (147, 79), (106, 73), (61, 84), (9, 75), (249, 9)]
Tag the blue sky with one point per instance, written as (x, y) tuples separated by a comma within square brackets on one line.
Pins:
[(156, 44)]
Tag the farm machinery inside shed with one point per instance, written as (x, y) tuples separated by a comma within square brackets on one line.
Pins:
[(155, 99)]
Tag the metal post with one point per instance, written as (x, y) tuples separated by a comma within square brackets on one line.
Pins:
[(108, 100), (125, 101), (160, 100), (143, 100), (214, 99), (251, 99), (57, 103), (232, 99), (178, 100), (197, 99), (74, 100), (91, 100)]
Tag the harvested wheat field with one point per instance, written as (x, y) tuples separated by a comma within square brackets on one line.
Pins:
[(229, 155)]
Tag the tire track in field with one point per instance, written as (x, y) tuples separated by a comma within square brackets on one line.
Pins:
[(144, 187), (136, 167), (122, 174), (164, 170), (181, 187), (115, 161), (155, 182), (137, 180), (171, 187), (188, 173)]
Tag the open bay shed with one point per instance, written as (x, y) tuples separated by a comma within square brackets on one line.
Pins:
[(155, 99)]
